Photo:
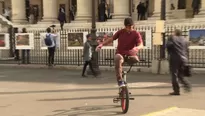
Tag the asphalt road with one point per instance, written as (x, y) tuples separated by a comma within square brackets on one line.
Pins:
[(54, 92)]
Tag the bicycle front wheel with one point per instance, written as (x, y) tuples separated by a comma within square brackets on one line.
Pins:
[(125, 99)]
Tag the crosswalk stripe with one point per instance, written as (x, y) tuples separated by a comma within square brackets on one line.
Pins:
[(161, 111)]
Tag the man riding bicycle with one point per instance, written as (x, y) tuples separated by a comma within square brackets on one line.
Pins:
[(129, 42)]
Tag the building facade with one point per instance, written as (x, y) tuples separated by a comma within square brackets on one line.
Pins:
[(48, 9)]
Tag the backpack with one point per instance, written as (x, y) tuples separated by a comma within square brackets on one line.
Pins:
[(48, 41)]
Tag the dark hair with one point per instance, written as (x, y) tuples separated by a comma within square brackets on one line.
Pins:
[(88, 35), (178, 32), (128, 22), (48, 30), (24, 30)]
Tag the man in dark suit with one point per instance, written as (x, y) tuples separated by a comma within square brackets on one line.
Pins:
[(177, 47)]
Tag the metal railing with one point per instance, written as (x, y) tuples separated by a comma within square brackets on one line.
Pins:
[(66, 56)]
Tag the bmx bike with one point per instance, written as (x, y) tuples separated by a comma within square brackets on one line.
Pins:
[(124, 94)]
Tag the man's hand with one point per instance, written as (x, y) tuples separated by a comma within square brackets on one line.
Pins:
[(98, 48), (136, 49)]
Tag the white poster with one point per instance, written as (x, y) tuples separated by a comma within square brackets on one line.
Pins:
[(148, 43), (4, 41), (76, 40), (24, 41)]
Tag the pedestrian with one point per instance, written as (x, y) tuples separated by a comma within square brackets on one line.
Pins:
[(62, 17), (52, 37), (25, 52), (31, 15), (196, 6), (143, 11), (177, 47), (87, 56), (101, 11), (139, 11)]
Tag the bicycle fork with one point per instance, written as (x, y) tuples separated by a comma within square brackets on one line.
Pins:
[(124, 77)]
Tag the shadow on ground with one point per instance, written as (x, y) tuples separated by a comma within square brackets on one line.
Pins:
[(89, 111)]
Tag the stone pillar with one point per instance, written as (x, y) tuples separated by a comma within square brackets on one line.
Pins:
[(18, 11), (50, 11), (157, 10), (121, 9), (84, 10), (201, 10)]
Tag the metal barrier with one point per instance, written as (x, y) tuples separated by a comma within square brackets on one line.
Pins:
[(66, 56)]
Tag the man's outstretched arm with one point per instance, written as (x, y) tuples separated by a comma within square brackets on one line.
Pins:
[(110, 39), (107, 41)]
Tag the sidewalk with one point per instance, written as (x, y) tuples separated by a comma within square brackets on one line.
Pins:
[(102, 68), (53, 92), (73, 67)]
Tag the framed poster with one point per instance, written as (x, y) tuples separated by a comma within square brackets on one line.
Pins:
[(100, 39), (4, 41), (42, 43), (24, 41), (76, 40), (197, 38), (147, 38)]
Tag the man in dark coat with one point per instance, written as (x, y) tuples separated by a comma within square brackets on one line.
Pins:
[(177, 47), (101, 11), (195, 6), (139, 10), (62, 17), (181, 4)]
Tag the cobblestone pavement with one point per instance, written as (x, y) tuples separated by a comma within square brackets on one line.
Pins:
[(54, 92)]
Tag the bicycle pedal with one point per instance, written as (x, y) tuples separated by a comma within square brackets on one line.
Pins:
[(115, 100), (132, 98)]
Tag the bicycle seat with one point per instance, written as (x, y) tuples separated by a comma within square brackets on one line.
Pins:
[(130, 60)]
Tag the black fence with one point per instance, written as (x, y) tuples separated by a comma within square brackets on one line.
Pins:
[(65, 56)]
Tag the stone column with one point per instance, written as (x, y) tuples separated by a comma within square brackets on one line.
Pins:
[(18, 11), (121, 9), (50, 11), (201, 10), (84, 10), (157, 10)]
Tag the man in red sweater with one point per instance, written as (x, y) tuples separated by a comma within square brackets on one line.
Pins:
[(129, 42)]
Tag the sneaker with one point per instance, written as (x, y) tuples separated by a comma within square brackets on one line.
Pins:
[(121, 84)]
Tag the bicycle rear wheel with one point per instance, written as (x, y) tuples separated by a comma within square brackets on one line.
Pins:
[(124, 99)]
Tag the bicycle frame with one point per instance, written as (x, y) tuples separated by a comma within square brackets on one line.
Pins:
[(124, 74)]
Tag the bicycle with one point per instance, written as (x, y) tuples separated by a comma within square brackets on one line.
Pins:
[(124, 94)]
